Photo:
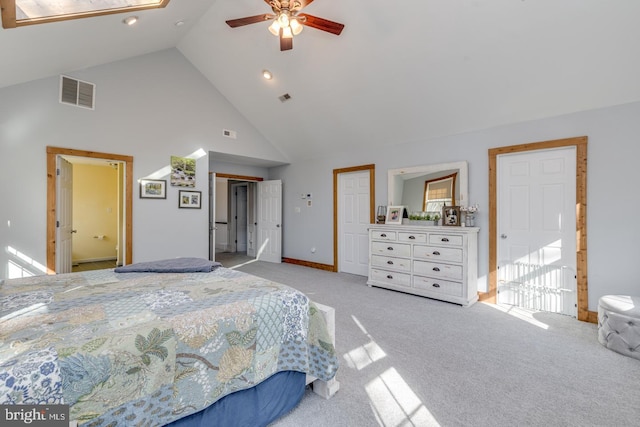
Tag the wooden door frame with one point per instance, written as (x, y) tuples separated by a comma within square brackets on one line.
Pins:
[(52, 153), (580, 143), (372, 208)]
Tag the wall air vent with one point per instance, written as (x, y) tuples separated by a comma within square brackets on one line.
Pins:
[(285, 97), (76, 92)]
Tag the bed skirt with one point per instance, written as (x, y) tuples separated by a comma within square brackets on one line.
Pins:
[(255, 407)]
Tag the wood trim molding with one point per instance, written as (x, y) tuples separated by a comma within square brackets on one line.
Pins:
[(9, 14), (52, 153), (372, 208), (317, 265), (238, 177), (581, 217)]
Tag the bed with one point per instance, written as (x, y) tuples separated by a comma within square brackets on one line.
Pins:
[(147, 346)]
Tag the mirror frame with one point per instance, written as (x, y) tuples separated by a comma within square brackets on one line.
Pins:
[(463, 177)]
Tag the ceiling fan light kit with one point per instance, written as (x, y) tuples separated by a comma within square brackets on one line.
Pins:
[(288, 22)]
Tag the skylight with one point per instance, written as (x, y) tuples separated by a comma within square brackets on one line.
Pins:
[(26, 12)]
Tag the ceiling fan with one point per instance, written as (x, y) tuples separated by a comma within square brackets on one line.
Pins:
[(288, 21)]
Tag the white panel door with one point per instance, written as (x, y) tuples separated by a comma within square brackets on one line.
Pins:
[(212, 216), (353, 221), (241, 218), (270, 221), (536, 230), (64, 215), (251, 218)]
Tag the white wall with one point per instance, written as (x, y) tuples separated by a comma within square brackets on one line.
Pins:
[(613, 154), (158, 105), (150, 107)]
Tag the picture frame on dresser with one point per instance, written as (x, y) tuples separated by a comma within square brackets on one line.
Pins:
[(451, 216), (394, 215)]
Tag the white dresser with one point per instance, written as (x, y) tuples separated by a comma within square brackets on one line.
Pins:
[(436, 262)]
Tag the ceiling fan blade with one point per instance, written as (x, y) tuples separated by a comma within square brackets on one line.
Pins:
[(286, 43), (304, 3), (233, 23), (322, 24)]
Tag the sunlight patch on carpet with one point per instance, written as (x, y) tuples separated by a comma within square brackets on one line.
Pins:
[(395, 404), (519, 313)]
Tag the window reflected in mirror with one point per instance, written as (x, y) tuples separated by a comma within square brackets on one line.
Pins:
[(439, 192)]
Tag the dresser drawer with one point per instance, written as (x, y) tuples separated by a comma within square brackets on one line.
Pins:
[(402, 264), (391, 277), (391, 249), (436, 253), (438, 270), (412, 237), (383, 235), (439, 286), (445, 239)]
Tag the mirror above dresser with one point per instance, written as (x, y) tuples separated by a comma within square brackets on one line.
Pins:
[(407, 185)]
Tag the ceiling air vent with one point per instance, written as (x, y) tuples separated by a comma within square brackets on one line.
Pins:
[(284, 97), (76, 92)]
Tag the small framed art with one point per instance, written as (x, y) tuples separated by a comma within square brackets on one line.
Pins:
[(153, 189), (451, 215), (189, 199), (394, 215)]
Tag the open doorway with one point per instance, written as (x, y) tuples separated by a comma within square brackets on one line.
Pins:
[(233, 215), (59, 206), (97, 213)]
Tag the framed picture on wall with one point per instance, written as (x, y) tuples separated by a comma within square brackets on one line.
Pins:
[(183, 171), (189, 199), (394, 215), (153, 189), (451, 215)]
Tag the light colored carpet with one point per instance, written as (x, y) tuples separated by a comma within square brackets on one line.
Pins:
[(413, 361)]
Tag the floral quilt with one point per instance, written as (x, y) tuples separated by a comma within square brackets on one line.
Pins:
[(149, 348)]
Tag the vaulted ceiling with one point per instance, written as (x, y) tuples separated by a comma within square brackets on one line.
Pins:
[(399, 72)]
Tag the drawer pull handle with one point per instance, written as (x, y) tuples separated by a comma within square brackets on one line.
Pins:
[(390, 262), (444, 239), (436, 253), (435, 285), (436, 269), (389, 276), (412, 237), (390, 248), (383, 235)]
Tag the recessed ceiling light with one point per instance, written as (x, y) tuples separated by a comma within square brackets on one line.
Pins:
[(267, 74), (130, 20)]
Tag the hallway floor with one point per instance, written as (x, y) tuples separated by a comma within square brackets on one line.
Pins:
[(94, 265)]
